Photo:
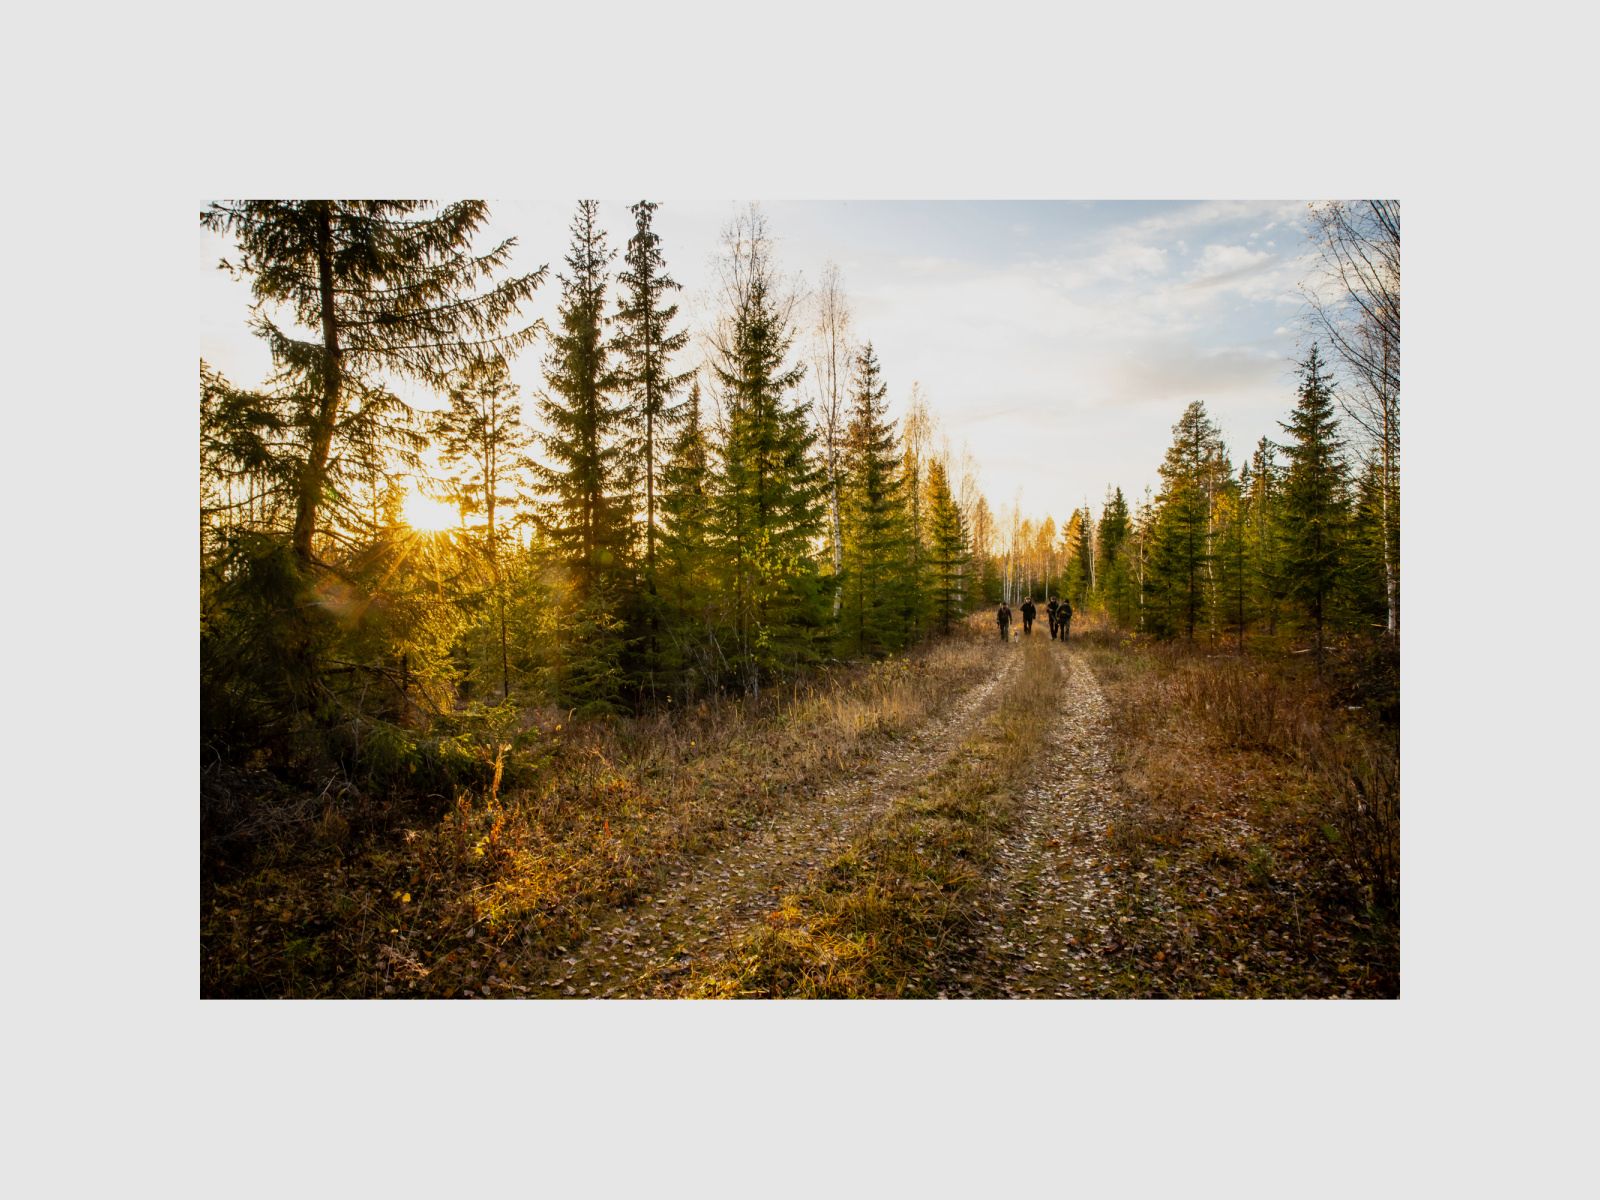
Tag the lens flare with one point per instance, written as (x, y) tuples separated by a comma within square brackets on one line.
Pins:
[(424, 513)]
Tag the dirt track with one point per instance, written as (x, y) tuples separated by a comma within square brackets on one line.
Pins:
[(645, 948)]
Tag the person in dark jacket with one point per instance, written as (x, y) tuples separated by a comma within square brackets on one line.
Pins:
[(1050, 611), (1064, 618), (1028, 613), (1002, 618)]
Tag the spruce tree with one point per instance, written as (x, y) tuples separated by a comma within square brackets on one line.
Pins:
[(1315, 488), (368, 287), (1263, 536), (769, 493), (1112, 544), (873, 518), (1231, 554), (483, 445), (1074, 578), (947, 547), (1366, 580), (1181, 550), (587, 514), (349, 295), (687, 550), (589, 509), (645, 344), (1083, 552)]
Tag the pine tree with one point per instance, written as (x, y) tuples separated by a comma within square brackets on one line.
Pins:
[(768, 491), (370, 287), (873, 518), (1181, 553), (1314, 497)]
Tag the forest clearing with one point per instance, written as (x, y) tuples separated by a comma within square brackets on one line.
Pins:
[(712, 677)]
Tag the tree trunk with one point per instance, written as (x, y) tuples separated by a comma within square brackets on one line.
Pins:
[(838, 542), (313, 473)]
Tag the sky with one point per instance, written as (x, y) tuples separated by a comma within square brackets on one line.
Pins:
[(1058, 341)]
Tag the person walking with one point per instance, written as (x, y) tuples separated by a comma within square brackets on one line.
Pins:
[(1050, 611), (1028, 613), (1002, 618), (1064, 618)]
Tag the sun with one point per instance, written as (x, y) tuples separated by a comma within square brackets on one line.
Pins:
[(424, 513)]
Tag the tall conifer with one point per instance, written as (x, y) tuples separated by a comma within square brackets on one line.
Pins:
[(369, 287), (873, 507), (769, 493), (1315, 489), (645, 343), (588, 510), (947, 547), (588, 507), (483, 444), (1181, 550)]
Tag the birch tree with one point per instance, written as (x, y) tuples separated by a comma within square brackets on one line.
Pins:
[(832, 355)]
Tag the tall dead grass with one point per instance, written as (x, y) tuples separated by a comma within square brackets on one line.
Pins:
[(434, 905), (874, 922), (1254, 778)]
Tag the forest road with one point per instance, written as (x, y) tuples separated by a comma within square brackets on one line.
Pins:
[(714, 898)]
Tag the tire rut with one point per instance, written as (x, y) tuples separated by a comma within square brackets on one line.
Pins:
[(714, 897), (1053, 911)]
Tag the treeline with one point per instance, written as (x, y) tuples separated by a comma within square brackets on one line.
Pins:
[(1295, 540), (675, 528), (1304, 536)]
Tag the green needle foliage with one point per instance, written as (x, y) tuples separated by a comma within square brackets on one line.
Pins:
[(874, 513), (645, 344), (1315, 497), (325, 623), (586, 476), (484, 446), (947, 549), (768, 492), (1195, 463), (691, 650), (350, 290)]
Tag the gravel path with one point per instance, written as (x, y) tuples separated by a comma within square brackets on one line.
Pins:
[(1053, 912), (712, 900)]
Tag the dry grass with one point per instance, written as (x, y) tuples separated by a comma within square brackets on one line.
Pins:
[(889, 916), (1260, 815), (468, 900)]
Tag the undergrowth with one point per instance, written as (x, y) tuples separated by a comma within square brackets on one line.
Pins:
[(1260, 815), (529, 830)]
